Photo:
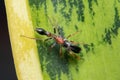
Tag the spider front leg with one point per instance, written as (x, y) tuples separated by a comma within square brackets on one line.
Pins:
[(31, 38), (47, 39)]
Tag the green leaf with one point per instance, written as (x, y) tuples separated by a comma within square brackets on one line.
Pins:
[(98, 22)]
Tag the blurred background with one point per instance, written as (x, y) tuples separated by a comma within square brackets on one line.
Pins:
[(7, 69)]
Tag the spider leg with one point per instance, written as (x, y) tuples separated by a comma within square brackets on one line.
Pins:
[(74, 55), (30, 37), (60, 51), (77, 43), (51, 46), (72, 34), (47, 39), (54, 24)]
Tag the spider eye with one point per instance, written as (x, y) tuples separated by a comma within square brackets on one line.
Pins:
[(40, 31)]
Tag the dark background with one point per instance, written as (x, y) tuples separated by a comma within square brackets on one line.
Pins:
[(7, 69)]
